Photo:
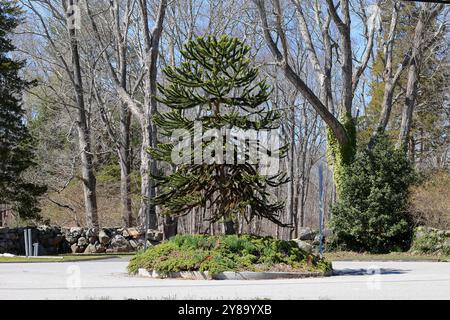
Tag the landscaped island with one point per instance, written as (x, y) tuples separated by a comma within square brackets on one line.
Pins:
[(217, 254)]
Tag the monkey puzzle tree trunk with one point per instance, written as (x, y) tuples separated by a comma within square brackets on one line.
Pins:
[(170, 227), (229, 227)]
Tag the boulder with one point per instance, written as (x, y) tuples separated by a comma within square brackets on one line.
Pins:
[(327, 233), (82, 242), (12, 236), (57, 240), (95, 248), (141, 243), (91, 232), (316, 240), (71, 239), (132, 232), (103, 238), (43, 251), (304, 246), (306, 233), (419, 235), (76, 249), (120, 244), (76, 230), (44, 229), (8, 255), (134, 244), (155, 235), (447, 243), (93, 239)]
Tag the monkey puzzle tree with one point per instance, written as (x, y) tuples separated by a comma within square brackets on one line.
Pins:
[(216, 78)]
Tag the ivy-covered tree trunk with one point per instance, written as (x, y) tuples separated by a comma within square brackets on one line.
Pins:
[(341, 155), (341, 131)]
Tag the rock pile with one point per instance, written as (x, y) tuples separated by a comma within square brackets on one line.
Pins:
[(57, 240)]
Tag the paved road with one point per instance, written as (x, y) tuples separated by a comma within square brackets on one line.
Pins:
[(108, 280)]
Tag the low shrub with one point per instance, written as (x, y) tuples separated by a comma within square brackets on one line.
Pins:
[(430, 200), (371, 214), (430, 240), (225, 253)]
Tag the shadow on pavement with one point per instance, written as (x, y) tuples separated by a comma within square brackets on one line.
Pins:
[(368, 271)]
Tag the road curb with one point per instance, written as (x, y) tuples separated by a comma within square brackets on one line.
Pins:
[(230, 275)]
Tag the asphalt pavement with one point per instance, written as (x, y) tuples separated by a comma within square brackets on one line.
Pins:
[(107, 279)]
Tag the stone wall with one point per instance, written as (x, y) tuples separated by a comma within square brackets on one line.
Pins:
[(57, 240)]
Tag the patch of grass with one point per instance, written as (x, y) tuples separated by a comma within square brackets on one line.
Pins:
[(394, 256), (61, 258), (225, 253)]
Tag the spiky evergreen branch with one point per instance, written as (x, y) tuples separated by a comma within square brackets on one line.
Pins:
[(216, 75)]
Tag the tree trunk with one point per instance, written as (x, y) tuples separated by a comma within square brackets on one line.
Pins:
[(147, 213), (385, 111), (390, 81), (170, 227), (341, 155), (408, 109), (229, 227), (148, 166), (125, 167), (89, 182), (427, 14), (291, 194)]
